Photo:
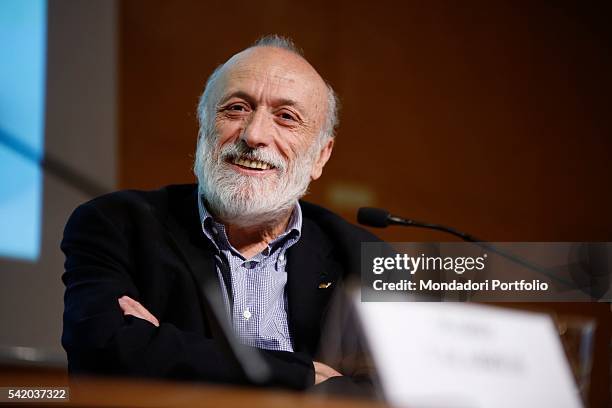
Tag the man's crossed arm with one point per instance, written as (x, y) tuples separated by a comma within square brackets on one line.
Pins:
[(134, 308)]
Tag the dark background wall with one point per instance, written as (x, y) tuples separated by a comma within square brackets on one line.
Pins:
[(492, 117)]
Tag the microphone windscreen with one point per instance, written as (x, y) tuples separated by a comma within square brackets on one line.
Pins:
[(373, 217)]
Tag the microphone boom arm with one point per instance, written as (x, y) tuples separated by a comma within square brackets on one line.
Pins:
[(379, 218)]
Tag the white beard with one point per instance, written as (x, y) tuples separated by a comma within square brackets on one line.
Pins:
[(250, 201)]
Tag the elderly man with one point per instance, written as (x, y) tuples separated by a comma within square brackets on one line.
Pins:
[(137, 262)]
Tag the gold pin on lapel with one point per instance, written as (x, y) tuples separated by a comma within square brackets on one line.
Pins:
[(325, 285)]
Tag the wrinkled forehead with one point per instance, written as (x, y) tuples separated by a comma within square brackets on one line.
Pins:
[(272, 73)]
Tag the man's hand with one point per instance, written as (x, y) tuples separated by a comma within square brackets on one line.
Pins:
[(324, 372), (132, 307)]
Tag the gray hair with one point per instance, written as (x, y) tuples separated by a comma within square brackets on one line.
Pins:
[(206, 111)]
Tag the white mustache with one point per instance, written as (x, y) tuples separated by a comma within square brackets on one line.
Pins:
[(241, 150)]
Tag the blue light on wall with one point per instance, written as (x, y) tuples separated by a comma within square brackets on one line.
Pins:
[(23, 32)]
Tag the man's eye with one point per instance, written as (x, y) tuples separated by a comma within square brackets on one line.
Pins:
[(238, 108), (286, 116)]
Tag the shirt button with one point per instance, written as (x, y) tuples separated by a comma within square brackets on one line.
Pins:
[(247, 314), (214, 230), (281, 258)]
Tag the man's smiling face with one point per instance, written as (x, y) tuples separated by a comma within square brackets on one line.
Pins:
[(270, 106), (272, 100)]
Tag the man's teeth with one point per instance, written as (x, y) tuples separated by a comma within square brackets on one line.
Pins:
[(253, 164)]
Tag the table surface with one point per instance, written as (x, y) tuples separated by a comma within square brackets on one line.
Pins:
[(114, 392)]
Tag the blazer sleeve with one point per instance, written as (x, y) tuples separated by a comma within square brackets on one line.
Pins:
[(98, 338)]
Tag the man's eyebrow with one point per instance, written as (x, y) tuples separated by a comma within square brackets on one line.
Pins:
[(287, 102), (237, 94), (251, 100)]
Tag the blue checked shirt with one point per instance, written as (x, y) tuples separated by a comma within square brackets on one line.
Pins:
[(254, 289)]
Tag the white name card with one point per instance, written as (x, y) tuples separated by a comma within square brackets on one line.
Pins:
[(466, 355)]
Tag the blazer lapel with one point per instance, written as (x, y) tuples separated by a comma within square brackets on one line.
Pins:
[(308, 291), (183, 224)]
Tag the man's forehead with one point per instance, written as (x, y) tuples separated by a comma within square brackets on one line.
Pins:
[(262, 74), (281, 69)]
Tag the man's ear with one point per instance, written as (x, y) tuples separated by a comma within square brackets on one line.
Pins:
[(322, 158)]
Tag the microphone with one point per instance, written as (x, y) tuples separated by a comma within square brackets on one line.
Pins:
[(373, 217), (379, 218)]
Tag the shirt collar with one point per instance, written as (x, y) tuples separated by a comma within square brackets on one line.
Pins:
[(213, 229)]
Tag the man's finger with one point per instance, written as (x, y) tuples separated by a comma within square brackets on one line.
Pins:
[(128, 308), (134, 308), (147, 315), (324, 372)]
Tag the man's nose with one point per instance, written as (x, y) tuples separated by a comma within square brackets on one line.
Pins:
[(257, 132)]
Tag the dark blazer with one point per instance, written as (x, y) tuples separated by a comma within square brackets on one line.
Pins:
[(149, 246)]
